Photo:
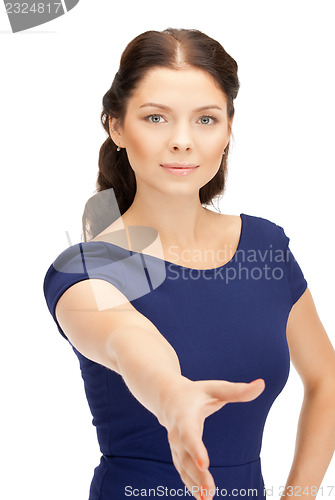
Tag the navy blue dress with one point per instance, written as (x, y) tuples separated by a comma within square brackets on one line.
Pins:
[(224, 323)]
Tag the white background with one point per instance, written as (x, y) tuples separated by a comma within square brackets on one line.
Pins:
[(281, 168)]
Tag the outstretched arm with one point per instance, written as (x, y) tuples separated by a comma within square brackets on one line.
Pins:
[(122, 339), (313, 356)]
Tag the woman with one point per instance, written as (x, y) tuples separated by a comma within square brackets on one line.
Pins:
[(209, 315)]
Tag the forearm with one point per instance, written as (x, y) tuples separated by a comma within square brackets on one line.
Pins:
[(315, 443), (148, 364)]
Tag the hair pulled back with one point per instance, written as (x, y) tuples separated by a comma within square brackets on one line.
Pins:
[(174, 49)]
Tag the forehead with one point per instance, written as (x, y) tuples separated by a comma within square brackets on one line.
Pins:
[(187, 85)]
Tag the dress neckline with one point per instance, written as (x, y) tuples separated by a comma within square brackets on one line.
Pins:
[(169, 264)]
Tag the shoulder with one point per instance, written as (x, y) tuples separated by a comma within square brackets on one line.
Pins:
[(260, 228), (86, 258), (73, 258)]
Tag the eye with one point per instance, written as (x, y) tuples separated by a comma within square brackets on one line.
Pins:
[(207, 117), (153, 116)]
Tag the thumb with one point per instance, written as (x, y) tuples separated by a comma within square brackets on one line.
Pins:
[(231, 392)]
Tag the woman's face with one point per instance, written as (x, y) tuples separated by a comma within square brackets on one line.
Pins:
[(163, 125)]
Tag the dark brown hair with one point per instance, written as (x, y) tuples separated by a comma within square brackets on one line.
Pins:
[(173, 49)]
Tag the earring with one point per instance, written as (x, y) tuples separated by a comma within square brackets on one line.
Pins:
[(224, 153), (118, 148)]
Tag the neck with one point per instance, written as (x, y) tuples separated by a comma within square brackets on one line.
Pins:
[(178, 219)]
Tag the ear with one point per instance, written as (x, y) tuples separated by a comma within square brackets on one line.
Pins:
[(114, 131), (230, 125)]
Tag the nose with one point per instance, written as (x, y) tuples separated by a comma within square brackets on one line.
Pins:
[(181, 138)]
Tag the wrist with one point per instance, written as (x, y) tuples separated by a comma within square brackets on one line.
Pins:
[(170, 392)]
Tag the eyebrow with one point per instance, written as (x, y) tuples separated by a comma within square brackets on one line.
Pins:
[(155, 105)]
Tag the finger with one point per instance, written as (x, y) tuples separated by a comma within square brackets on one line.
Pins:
[(242, 392), (199, 491), (194, 458), (253, 389), (187, 479), (186, 463), (193, 488), (231, 392), (191, 439), (191, 483), (190, 465), (183, 459), (198, 476)]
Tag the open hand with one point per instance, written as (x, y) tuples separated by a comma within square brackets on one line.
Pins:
[(185, 406)]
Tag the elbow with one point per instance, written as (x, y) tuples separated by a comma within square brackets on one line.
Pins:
[(323, 387)]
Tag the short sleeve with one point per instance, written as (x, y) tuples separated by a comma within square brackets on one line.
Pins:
[(132, 273), (77, 263), (296, 278)]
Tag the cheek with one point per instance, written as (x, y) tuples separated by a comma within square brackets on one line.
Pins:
[(213, 158), (214, 153), (137, 146), (216, 141)]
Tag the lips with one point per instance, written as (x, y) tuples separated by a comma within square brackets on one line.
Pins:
[(179, 169), (179, 165)]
